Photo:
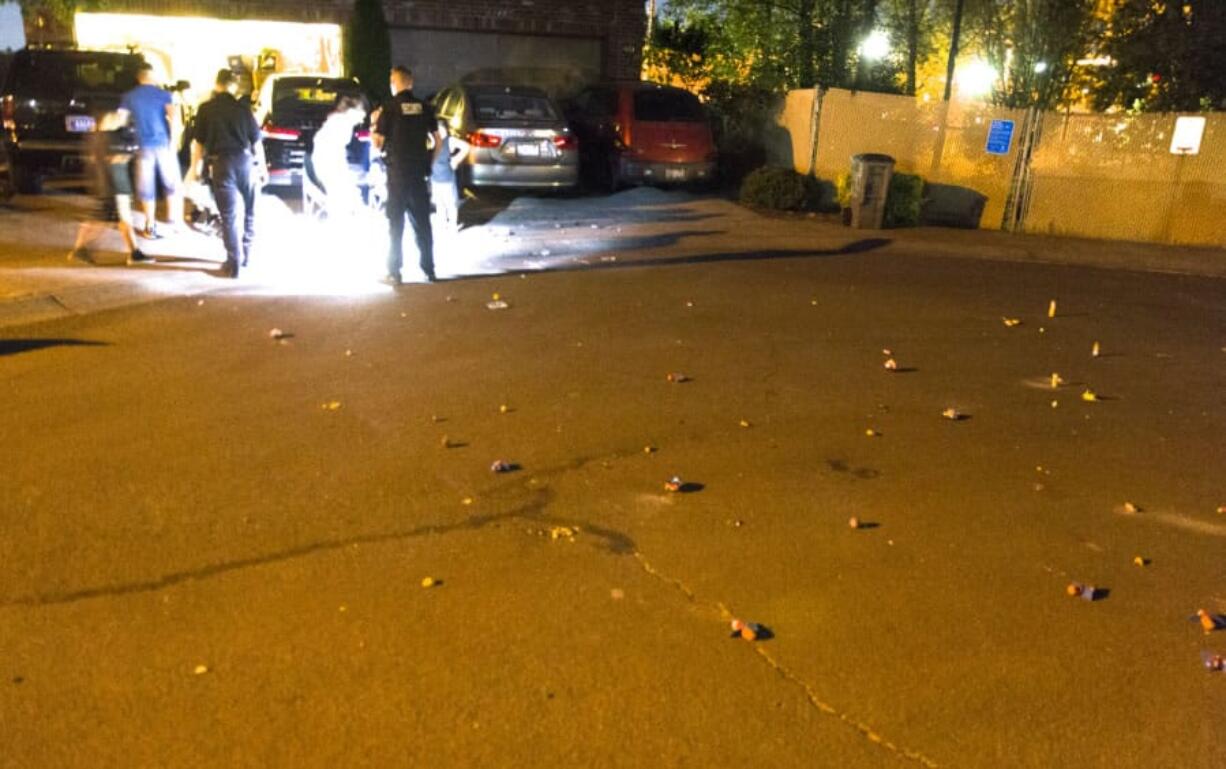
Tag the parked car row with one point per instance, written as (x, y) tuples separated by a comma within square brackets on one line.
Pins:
[(48, 108), (610, 135)]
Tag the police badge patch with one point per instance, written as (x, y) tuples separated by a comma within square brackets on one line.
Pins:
[(410, 108)]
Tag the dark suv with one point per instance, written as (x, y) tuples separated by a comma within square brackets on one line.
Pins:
[(49, 104), (290, 109)]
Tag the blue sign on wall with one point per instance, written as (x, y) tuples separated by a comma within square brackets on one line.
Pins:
[(1000, 137)]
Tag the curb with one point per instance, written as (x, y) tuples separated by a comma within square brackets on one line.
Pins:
[(81, 300)]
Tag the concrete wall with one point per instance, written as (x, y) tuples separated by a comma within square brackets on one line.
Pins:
[(1097, 176)]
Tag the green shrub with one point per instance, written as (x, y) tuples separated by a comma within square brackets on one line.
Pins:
[(821, 196), (777, 189), (903, 200)]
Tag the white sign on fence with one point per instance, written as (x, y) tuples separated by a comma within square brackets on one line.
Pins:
[(1189, 130)]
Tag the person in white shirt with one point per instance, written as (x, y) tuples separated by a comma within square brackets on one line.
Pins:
[(330, 156)]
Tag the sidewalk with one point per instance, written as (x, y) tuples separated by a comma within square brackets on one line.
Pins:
[(296, 256), (38, 283)]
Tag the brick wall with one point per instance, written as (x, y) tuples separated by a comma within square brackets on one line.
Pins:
[(621, 24)]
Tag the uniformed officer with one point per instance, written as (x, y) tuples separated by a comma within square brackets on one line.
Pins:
[(407, 132), (229, 138)]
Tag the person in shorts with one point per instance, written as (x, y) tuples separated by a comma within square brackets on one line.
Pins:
[(152, 112), (110, 160), (444, 187)]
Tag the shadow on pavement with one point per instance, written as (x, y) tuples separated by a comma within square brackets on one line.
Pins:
[(16, 346), (855, 247)]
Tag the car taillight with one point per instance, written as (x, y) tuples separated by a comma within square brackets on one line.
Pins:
[(281, 134), (484, 140), (565, 142)]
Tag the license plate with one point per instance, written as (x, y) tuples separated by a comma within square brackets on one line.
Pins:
[(528, 150), (674, 174), (79, 124)]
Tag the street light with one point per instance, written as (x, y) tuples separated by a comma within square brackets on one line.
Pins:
[(1040, 67), (977, 78), (876, 46)]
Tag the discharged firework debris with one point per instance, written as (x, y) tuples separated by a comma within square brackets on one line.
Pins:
[(749, 631), (1209, 622), (331, 406), (1084, 592), (1089, 396), (677, 378), (1011, 322)]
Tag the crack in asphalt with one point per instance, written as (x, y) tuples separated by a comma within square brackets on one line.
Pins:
[(615, 541), (867, 731)]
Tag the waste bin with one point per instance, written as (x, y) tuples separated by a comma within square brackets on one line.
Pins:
[(870, 181)]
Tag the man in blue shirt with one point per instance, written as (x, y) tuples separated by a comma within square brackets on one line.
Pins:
[(152, 112)]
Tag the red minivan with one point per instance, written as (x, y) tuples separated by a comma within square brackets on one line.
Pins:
[(643, 133)]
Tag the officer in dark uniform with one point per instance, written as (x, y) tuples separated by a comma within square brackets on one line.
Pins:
[(407, 132), (228, 138)]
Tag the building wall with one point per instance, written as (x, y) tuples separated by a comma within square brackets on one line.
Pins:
[(621, 24)]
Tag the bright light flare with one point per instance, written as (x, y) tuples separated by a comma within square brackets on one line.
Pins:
[(976, 79), (194, 48), (876, 46)]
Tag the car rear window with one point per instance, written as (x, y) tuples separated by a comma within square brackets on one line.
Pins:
[(62, 75), (666, 106), (512, 106), (309, 98)]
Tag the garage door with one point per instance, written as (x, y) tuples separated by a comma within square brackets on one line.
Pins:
[(439, 58)]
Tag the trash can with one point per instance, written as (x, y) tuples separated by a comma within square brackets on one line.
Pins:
[(870, 181)]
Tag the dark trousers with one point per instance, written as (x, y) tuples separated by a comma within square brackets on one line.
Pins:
[(232, 186), (409, 194)]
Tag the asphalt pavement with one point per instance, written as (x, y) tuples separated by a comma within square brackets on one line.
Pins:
[(217, 539)]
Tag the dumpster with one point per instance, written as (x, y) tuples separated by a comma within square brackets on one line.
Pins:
[(870, 182)]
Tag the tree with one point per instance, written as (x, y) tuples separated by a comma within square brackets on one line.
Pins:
[(911, 26), (1033, 44), (368, 48), (1168, 57), (781, 44)]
